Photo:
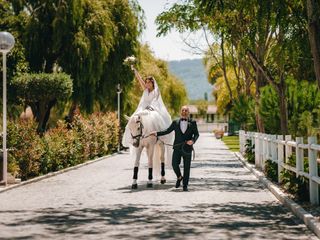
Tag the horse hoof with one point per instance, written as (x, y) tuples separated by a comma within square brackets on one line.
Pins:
[(163, 181), (149, 185), (134, 186)]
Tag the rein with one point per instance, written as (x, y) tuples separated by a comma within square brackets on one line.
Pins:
[(138, 136), (182, 144)]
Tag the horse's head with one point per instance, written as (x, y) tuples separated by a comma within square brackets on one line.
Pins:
[(135, 126)]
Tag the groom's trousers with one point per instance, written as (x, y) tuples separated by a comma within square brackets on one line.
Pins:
[(176, 160)]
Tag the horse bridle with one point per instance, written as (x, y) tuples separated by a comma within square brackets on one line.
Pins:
[(137, 137)]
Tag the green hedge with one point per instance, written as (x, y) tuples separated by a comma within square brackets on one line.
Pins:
[(61, 147), (26, 149)]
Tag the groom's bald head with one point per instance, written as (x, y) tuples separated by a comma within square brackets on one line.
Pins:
[(184, 111)]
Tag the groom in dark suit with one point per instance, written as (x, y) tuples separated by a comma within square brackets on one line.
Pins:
[(186, 134)]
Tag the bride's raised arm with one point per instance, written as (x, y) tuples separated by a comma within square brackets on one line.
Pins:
[(138, 76)]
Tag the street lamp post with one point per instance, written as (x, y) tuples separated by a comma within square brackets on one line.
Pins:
[(119, 90), (6, 44)]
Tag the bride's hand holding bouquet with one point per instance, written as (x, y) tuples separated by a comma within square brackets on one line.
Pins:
[(130, 61)]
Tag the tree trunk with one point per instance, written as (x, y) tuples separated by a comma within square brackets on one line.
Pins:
[(41, 112), (259, 121), (35, 107), (249, 78), (259, 83), (224, 68), (47, 114), (314, 35), (281, 89), (72, 112), (237, 72)]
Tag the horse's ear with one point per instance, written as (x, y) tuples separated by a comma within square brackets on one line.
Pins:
[(127, 117)]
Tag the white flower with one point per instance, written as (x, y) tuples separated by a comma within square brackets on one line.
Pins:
[(131, 60)]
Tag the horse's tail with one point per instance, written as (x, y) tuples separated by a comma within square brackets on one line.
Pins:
[(168, 156), (168, 149), (157, 160)]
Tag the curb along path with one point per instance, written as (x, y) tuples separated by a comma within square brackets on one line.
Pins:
[(311, 221), (225, 201)]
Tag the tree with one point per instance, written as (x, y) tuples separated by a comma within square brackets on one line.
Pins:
[(242, 112), (223, 22), (41, 92), (191, 17), (128, 28), (87, 39), (259, 35), (269, 110), (16, 60), (303, 97), (313, 10)]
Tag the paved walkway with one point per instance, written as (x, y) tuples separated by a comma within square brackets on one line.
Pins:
[(225, 201)]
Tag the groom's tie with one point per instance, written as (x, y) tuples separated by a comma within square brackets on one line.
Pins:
[(183, 125)]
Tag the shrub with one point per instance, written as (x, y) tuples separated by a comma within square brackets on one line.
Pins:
[(80, 127), (298, 186), (111, 123), (63, 149), (62, 146), (249, 151), (292, 162), (99, 133), (271, 170), (13, 166), (26, 149), (88, 130)]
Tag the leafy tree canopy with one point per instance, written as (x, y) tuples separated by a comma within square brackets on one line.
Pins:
[(41, 92)]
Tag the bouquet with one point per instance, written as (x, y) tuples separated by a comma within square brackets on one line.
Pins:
[(130, 61)]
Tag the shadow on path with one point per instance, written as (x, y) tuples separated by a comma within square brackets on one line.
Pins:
[(234, 220)]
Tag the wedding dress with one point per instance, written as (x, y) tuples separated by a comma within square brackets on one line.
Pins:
[(153, 102)]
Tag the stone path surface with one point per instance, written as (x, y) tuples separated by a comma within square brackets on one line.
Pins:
[(225, 201)]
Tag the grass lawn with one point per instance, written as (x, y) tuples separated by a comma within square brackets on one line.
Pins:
[(232, 142)]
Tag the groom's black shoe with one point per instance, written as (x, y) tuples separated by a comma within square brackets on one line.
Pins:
[(185, 189), (178, 182)]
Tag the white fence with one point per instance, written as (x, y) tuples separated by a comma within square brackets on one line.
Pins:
[(277, 149)]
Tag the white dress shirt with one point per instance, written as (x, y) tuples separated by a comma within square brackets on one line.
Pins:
[(183, 126)]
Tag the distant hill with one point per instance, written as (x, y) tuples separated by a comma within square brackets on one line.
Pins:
[(192, 73)]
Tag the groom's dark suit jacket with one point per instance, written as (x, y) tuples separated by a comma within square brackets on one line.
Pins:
[(190, 134)]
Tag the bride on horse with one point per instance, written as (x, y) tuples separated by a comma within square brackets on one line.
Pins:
[(151, 100), (150, 115)]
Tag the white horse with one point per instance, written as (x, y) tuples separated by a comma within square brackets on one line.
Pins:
[(140, 126)]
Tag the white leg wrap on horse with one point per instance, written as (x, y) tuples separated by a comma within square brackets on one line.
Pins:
[(134, 181)]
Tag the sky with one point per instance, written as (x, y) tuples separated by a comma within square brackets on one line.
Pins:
[(171, 47)]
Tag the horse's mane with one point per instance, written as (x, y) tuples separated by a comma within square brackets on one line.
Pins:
[(151, 120)]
